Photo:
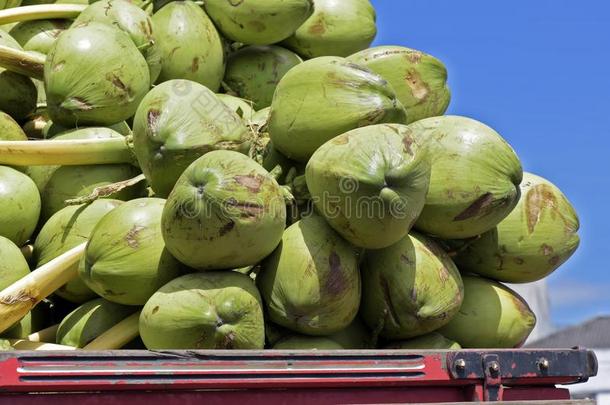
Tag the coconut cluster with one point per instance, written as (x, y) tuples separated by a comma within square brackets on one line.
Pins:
[(252, 175)]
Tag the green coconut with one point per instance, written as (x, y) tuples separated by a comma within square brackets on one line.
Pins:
[(475, 177), (90, 320), (410, 288), (307, 343), (18, 94), (430, 341), (38, 35), (419, 80), (326, 97), (370, 183), (134, 21), (13, 265), (60, 183), (10, 130), (336, 28), (190, 46), (4, 4), (20, 202), (537, 237), (32, 322), (258, 22), (213, 310), (126, 260), (177, 122), (253, 72), (94, 75), (225, 212), (492, 316), (66, 229), (355, 337), (241, 107), (52, 129), (311, 282)]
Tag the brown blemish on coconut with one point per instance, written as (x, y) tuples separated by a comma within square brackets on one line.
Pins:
[(252, 183), (554, 261), (132, 236), (335, 283), (538, 198), (318, 28), (407, 143), (195, 64), (81, 104), (152, 118), (418, 87), (546, 250), (477, 208), (226, 228), (155, 310), (385, 288)]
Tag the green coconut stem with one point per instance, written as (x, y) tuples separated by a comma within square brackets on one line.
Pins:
[(106, 191), (40, 12), (19, 298), (22, 62), (22, 344), (66, 152), (45, 335), (117, 336)]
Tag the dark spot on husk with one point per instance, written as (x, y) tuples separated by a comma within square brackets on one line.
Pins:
[(554, 261), (228, 341), (546, 250), (226, 228), (118, 83), (336, 280), (247, 209), (538, 198), (235, 3), (257, 26), (195, 64), (418, 87), (385, 288), (252, 183), (81, 104), (152, 118), (407, 142), (405, 259), (318, 28), (155, 310), (132, 236), (519, 261), (477, 208)]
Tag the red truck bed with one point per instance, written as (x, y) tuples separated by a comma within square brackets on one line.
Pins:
[(290, 377)]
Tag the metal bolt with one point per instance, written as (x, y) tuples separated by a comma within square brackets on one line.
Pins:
[(460, 364), (543, 364), (494, 367)]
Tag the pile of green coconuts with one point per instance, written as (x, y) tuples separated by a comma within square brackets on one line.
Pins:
[(251, 175)]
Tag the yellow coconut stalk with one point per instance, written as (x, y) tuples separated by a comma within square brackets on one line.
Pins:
[(20, 297), (117, 336), (44, 335), (22, 344), (65, 152), (40, 12)]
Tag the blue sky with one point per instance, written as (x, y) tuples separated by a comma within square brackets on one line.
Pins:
[(539, 73)]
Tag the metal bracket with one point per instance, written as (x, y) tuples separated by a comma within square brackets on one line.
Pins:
[(492, 385)]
